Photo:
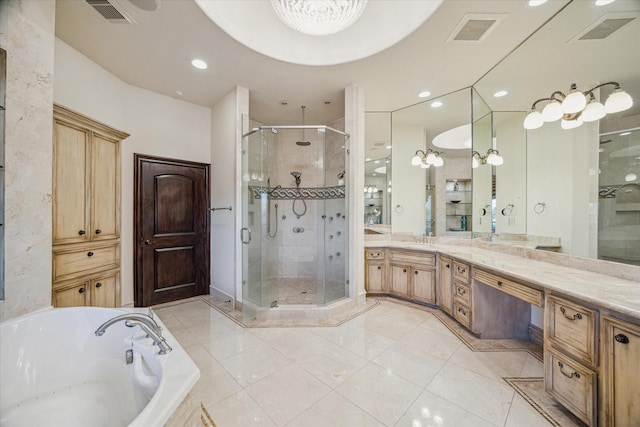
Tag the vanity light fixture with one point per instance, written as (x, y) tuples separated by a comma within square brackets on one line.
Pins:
[(428, 158), (319, 18), (577, 107), (370, 189), (492, 157)]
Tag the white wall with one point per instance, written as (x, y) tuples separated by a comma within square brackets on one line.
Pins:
[(226, 190), (562, 174), (408, 194), (159, 126), (27, 34)]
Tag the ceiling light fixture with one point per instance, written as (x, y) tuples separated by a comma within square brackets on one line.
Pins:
[(492, 157), (603, 2), (428, 158), (424, 94), (534, 3), (500, 93), (199, 64), (577, 107), (319, 18), (436, 104)]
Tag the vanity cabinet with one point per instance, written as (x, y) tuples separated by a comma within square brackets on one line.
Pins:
[(86, 210), (413, 275), (620, 384), (375, 278), (445, 281)]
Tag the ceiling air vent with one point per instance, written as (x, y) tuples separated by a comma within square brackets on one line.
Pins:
[(111, 11), (605, 26), (475, 27)]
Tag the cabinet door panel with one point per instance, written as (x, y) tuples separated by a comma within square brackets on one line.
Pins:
[(399, 278), (105, 170), (423, 285), (374, 279), (445, 296), (70, 189), (104, 291), (71, 296)]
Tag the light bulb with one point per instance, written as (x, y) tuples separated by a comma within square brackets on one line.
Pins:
[(630, 177), (593, 111), (491, 158), (370, 190), (618, 101), (365, 190), (497, 160), (552, 111), (438, 161), (424, 165), (574, 102), (533, 120), (431, 157), (571, 124), (416, 160), (474, 162)]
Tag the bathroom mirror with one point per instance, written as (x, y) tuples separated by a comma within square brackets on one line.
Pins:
[(581, 45), (422, 200), (3, 74), (377, 175)]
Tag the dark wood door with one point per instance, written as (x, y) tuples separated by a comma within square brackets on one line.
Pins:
[(171, 230)]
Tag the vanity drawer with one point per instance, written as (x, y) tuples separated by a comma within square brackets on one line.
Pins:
[(461, 272), (371, 254), (572, 328), (462, 314), (518, 290), (462, 294), (572, 384), (69, 263), (411, 258)]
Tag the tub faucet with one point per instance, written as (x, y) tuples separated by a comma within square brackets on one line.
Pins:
[(146, 323)]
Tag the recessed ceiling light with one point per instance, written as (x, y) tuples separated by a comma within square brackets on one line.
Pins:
[(625, 133), (534, 3), (199, 64), (179, 92), (436, 104), (367, 160), (500, 93), (424, 94), (603, 2)]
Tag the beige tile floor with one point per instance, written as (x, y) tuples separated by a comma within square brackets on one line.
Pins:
[(391, 366)]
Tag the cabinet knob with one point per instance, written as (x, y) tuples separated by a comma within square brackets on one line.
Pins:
[(404, 270), (448, 266), (81, 290), (98, 231), (499, 283), (379, 268), (89, 253), (461, 291), (98, 284), (622, 339), (415, 272), (81, 232)]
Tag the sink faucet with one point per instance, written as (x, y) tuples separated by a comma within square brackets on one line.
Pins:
[(146, 323)]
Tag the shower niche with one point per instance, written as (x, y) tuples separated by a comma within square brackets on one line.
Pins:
[(294, 219)]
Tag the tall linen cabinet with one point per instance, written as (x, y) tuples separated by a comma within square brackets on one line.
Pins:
[(86, 211)]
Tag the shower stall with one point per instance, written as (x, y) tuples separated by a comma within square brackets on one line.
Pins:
[(294, 217)]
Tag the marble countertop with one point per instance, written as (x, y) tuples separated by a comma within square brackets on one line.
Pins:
[(607, 291)]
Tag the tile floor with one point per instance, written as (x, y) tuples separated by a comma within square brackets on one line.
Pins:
[(394, 365)]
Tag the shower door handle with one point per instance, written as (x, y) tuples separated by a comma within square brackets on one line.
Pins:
[(242, 230)]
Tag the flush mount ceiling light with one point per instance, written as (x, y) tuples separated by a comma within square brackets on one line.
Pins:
[(426, 159), (436, 104), (258, 26), (454, 139), (319, 17), (424, 94), (534, 3), (577, 107), (500, 93), (199, 64)]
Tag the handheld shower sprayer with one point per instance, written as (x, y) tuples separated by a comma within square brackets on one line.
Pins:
[(297, 176)]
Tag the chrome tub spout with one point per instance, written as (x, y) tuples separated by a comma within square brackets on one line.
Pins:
[(146, 323)]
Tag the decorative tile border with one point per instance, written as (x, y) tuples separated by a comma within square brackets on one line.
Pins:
[(608, 191), (280, 193)]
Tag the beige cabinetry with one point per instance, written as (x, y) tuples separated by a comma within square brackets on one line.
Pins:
[(86, 211), (413, 275), (375, 278), (620, 384), (570, 355), (445, 295)]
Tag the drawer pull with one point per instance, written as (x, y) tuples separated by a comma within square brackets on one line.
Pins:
[(572, 375), (447, 265), (81, 232), (98, 285), (461, 291), (374, 255), (404, 270), (461, 270), (499, 283), (89, 253), (461, 311), (81, 291), (576, 316), (415, 272), (622, 339), (379, 267), (98, 231)]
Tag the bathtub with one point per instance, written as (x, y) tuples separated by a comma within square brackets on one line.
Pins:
[(54, 371)]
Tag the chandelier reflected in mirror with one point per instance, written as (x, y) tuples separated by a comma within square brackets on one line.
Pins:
[(319, 17)]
